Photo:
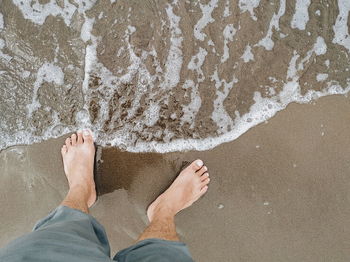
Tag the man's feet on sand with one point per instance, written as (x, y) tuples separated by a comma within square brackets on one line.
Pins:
[(187, 188), (78, 159)]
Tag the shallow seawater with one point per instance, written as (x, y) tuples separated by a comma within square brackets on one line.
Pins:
[(164, 75)]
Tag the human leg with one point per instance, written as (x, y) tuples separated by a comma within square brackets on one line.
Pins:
[(68, 233)]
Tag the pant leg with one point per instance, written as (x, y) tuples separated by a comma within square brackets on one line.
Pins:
[(155, 250), (66, 234)]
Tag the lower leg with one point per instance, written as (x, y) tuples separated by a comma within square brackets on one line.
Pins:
[(187, 188), (77, 198), (162, 227)]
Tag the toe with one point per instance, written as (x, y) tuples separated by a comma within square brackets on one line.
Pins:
[(73, 138), (64, 150), (203, 190), (202, 171), (204, 176), (80, 137), (196, 165), (205, 182), (68, 143), (87, 135)]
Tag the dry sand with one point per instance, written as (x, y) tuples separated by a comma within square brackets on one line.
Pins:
[(280, 192)]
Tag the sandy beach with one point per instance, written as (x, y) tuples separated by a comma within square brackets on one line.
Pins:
[(280, 192), (256, 89)]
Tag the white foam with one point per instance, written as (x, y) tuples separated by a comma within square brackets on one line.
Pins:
[(205, 19), (38, 13), (211, 43), (196, 63), (85, 33), (227, 9), (190, 110), (2, 43), (249, 5), (1, 22), (228, 33), (262, 109), (174, 59), (320, 47), (49, 73), (321, 77), (341, 30), (267, 42), (327, 62), (301, 15), (247, 55), (152, 114), (292, 68), (220, 115), (25, 74)]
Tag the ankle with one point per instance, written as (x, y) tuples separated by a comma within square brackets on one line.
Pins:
[(83, 190), (163, 211)]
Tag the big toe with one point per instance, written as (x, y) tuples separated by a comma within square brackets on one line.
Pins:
[(87, 135), (196, 165)]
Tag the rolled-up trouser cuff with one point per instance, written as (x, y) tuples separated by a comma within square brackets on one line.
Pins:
[(154, 250)]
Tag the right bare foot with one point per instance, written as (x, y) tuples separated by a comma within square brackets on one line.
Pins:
[(187, 188), (78, 160)]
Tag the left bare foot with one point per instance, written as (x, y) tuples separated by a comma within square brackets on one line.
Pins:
[(78, 159), (187, 188)]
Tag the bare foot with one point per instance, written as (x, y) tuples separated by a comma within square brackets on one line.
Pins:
[(78, 160), (187, 188)]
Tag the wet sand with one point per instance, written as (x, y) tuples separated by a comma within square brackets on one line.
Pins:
[(281, 192)]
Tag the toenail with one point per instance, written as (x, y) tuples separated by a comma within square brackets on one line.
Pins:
[(207, 174), (199, 163), (86, 132), (205, 168)]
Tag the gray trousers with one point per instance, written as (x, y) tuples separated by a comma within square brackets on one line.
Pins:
[(70, 235)]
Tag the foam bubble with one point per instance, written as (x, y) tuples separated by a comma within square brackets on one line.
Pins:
[(192, 108), (37, 12), (85, 33), (267, 42), (228, 33), (49, 73), (206, 19), (2, 43), (320, 47), (321, 77), (174, 59), (220, 115), (301, 15), (247, 55), (227, 9), (152, 114), (341, 31), (196, 63), (1, 22), (249, 5)]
